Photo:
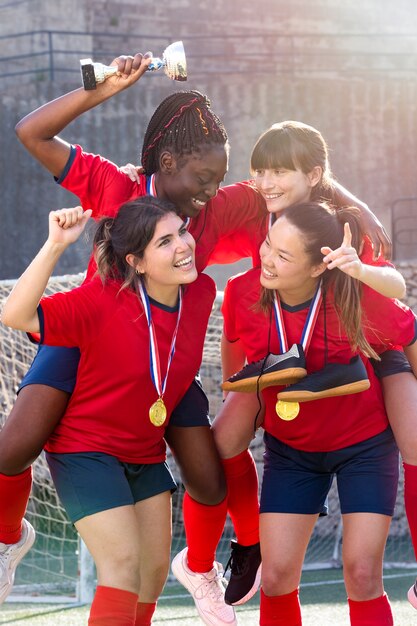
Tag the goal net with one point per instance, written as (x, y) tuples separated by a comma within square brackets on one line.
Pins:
[(52, 567)]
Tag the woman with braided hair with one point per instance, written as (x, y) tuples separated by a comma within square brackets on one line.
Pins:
[(184, 156)]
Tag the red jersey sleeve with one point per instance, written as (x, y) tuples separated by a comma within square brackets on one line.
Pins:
[(99, 184), (232, 227), (387, 322), (228, 311), (73, 318), (366, 255)]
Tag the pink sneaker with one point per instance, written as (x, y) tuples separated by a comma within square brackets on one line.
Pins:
[(207, 590), (10, 556), (412, 595)]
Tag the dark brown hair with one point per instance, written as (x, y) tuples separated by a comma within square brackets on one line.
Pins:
[(129, 232), (293, 145)]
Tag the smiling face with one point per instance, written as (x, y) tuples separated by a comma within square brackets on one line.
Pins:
[(282, 187), (168, 260), (285, 264), (191, 181)]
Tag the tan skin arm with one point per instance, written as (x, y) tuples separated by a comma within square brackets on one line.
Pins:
[(233, 358), (20, 309), (39, 130), (384, 279)]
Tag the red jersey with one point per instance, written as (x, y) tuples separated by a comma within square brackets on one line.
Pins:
[(230, 227), (109, 408), (330, 423)]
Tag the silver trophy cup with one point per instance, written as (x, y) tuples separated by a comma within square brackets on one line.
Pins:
[(173, 63)]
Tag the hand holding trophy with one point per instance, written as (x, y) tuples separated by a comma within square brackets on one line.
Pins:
[(173, 62)]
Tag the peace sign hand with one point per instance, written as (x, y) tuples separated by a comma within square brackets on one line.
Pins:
[(345, 258)]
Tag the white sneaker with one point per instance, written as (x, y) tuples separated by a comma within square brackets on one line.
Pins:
[(10, 556), (207, 591)]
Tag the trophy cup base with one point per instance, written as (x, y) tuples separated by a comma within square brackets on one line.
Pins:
[(88, 75)]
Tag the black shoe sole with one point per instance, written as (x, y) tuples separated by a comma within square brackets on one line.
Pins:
[(303, 395), (250, 385)]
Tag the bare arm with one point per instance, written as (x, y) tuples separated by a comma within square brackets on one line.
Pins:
[(233, 357), (384, 279), (371, 225), (39, 130), (20, 308)]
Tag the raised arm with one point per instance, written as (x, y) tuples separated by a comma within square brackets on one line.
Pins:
[(371, 225), (20, 308), (385, 280), (39, 130)]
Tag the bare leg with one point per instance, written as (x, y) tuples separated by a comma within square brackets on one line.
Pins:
[(284, 541), (364, 538), (34, 416), (400, 396), (197, 457)]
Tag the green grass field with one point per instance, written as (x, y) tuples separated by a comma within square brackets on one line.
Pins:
[(322, 595)]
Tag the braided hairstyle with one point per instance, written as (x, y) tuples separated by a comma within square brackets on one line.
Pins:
[(183, 123)]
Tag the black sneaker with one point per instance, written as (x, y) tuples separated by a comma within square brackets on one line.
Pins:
[(335, 379), (274, 369), (245, 577)]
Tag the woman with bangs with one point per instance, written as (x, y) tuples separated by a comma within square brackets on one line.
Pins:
[(310, 444)]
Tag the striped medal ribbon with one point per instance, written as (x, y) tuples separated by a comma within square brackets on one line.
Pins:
[(158, 412), (289, 410)]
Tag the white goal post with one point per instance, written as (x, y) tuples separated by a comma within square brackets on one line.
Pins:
[(58, 568)]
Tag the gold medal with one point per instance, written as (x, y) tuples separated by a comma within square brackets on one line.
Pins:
[(287, 410), (158, 412)]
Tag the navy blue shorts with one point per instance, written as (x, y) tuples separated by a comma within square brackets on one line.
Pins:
[(299, 482), (90, 482), (193, 409), (53, 366), (392, 362)]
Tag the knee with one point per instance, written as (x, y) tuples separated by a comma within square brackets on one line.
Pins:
[(120, 568), (278, 580), (13, 460), (363, 579), (209, 490)]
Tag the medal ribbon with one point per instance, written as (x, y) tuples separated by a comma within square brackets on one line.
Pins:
[(309, 324), (155, 366), (151, 191)]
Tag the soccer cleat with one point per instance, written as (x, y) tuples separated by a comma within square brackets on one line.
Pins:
[(274, 369), (412, 595), (335, 379), (207, 590), (10, 556), (245, 577)]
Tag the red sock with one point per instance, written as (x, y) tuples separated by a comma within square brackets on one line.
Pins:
[(204, 526), (242, 501), (113, 607), (376, 612), (14, 496), (144, 613), (280, 610), (410, 500)]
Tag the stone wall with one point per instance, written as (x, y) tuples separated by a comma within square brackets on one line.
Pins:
[(346, 69)]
